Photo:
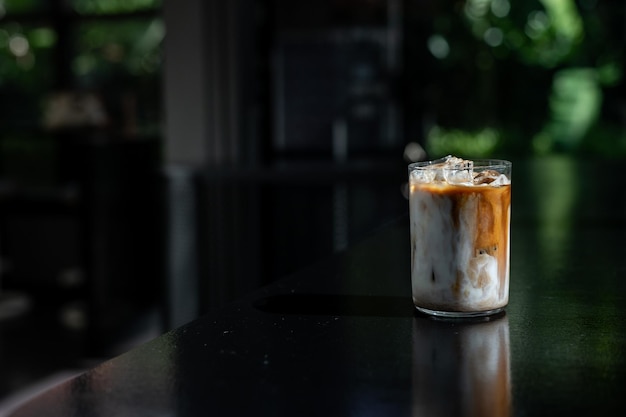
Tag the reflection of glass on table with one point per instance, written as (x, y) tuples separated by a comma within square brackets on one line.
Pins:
[(461, 368)]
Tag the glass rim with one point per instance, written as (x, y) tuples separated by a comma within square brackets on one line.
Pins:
[(482, 163)]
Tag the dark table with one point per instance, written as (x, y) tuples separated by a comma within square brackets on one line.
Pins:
[(341, 337)]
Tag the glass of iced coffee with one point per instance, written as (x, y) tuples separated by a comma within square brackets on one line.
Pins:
[(460, 214)]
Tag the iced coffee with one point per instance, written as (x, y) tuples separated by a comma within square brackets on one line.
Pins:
[(459, 215)]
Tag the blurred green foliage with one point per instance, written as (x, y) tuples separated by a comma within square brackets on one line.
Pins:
[(546, 76), (118, 55), (20, 6), (133, 46), (81, 6), (26, 70), (503, 77), (113, 6)]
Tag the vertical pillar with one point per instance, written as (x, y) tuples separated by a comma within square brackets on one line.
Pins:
[(185, 83)]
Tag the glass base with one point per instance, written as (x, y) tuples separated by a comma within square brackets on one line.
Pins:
[(459, 314)]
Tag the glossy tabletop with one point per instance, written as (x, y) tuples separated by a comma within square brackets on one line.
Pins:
[(341, 337)]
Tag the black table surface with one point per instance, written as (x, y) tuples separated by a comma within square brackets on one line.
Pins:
[(342, 338)]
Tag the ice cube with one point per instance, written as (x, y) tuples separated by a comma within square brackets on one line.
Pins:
[(501, 180), (437, 167), (458, 176), (431, 172), (458, 171), (452, 162), (491, 177), (423, 175), (449, 169)]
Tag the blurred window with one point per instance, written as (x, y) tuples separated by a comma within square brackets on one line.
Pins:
[(111, 48), (121, 59), (26, 70)]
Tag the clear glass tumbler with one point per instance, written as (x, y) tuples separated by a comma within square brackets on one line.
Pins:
[(460, 214)]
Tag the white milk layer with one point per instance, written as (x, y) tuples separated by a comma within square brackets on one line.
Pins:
[(449, 273)]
